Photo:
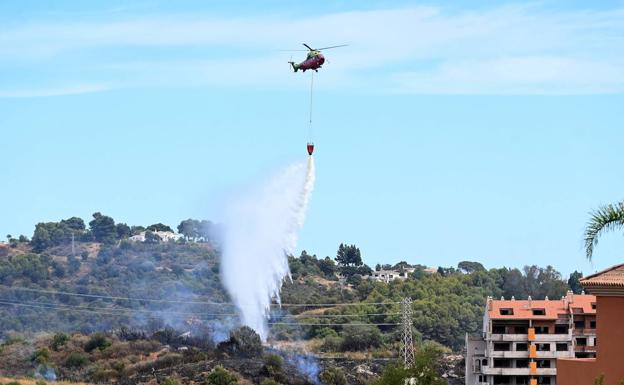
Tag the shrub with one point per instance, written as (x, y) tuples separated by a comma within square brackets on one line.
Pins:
[(76, 360), (58, 341), (170, 381), (360, 337), (269, 381), (40, 382), (221, 376), (273, 364), (245, 341), (13, 383), (333, 376), (332, 344), (41, 356), (97, 341)]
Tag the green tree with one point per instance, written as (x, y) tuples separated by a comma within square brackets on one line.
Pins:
[(58, 341), (348, 255), (574, 282), (357, 337), (123, 230), (469, 267), (97, 341), (327, 267), (103, 228), (604, 219), (159, 227), (151, 237), (74, 223)]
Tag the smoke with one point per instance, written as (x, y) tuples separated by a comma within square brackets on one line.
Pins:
[(261, 230)]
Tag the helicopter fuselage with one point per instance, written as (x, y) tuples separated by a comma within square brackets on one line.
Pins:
[(314, 61)]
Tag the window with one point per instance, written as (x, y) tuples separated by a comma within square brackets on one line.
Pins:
[(502, 380), (543, 363), (561, 329), (522, 380), (506, 311), (502, 346), (502, 363), (498, 330), (592, 324), (542, 347), (522, 347), (541, 330), (522, 363), (543, 380), (581, 341), (484, 362), (520, 330), (593, 306), (562, 347), (539, 312), (579, 324)]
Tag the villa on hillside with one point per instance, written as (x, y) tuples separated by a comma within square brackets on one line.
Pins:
[(165, 236), (394, 274)]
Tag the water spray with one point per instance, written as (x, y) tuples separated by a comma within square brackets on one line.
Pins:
[(262, 229)]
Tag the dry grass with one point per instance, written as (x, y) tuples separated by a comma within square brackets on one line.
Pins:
[(32, 381)]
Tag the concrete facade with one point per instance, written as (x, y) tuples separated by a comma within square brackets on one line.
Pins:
[(522, 339), (608, 286)]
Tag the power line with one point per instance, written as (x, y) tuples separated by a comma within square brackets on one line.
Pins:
[(99, 296), (191, 314), (106, 312)]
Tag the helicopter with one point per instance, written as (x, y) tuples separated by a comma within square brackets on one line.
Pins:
[(314, 60)]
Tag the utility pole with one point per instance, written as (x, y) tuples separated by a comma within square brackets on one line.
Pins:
[(73, 249), (407, 343)]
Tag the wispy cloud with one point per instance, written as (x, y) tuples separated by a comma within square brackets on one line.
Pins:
[(426, 50), (52, 91)]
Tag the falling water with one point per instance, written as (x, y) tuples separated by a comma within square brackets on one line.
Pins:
[(261, 230)]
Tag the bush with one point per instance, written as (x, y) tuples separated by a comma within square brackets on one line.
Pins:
[(273, 364), (333, 376), (245, 341), (332, 344), (76, 360), (41, 356), (40, 382), (170, 381), (269, 381), (221, 376), (360, 338), (58, 341), (97, 341)]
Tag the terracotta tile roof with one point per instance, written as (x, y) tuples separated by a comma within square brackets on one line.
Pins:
[(613, 276), (552, 308)]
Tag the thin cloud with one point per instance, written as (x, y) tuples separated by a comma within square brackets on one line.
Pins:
[(53, 91), (422, 50)]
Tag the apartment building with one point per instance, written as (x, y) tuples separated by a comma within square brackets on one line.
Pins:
[(522, 339)]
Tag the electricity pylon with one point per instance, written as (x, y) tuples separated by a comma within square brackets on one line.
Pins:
[(407, 343)]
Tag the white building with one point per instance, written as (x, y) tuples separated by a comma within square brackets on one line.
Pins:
[(165, 236)]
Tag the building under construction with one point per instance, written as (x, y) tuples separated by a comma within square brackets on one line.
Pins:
[(522, 339)]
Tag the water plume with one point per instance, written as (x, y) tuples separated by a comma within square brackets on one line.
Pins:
[(261, 231)]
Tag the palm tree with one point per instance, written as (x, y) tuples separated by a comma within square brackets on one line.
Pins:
[(606, 218)]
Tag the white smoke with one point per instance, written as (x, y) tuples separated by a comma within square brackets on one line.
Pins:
[(261, 230)]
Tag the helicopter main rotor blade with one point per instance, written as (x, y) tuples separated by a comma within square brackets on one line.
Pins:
[(308, 47), (333, 46)]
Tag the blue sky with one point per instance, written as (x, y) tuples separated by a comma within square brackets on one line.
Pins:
[(479, 131)]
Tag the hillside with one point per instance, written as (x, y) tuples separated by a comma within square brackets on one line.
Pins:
[(114, 278)]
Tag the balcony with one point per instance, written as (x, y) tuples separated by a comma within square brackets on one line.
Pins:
[(508, 354), (584, 332), (552, 337), (518, 371), (507, 337), (585, 348)]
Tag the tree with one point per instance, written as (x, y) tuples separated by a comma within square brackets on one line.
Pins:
[(327, 266), (159, 227), (357, 337), (123, 230), (574, 282), (604, 219), (348, 255), (103, 228), (74, 223), (469, 267)]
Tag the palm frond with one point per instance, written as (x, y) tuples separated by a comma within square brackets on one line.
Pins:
[(606, 218)]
